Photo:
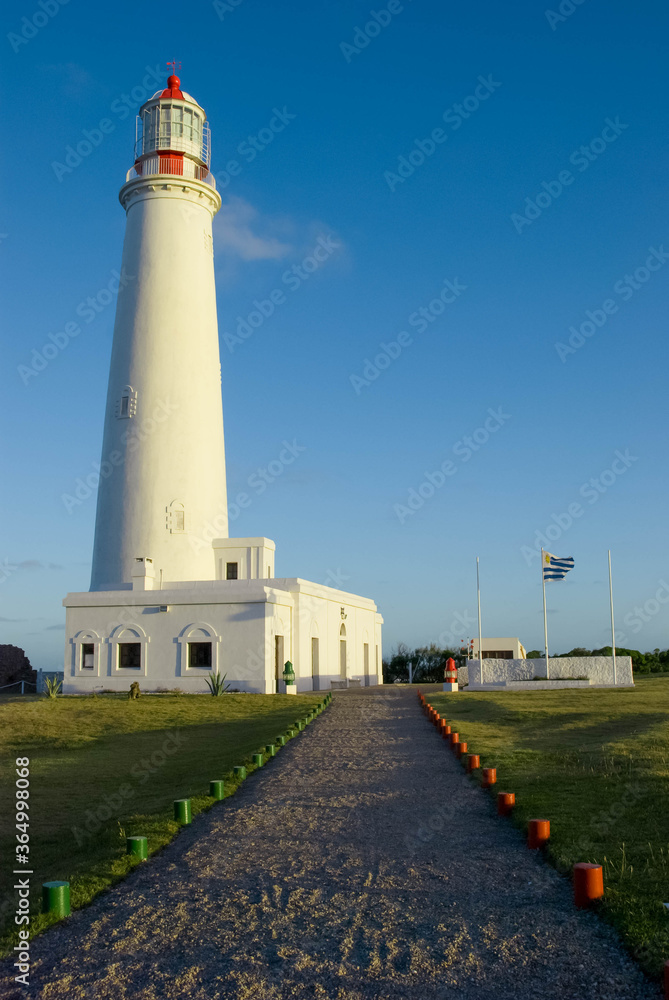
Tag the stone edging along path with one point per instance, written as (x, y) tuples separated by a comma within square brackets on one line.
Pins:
[(360, 865)]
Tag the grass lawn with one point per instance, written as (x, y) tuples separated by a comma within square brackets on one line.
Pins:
[(596, 764), (105, 768)]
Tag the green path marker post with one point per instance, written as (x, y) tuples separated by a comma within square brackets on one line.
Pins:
[(56, 898), (182, 811), (270, 750), (258, 759), (239, 772), (138, 847), (217, 790), (281, 741)]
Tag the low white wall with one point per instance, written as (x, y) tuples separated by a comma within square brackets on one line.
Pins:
[(598, 670)]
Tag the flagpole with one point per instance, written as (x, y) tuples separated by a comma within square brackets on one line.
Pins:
[(543, 584), (613, 625), (478, 594)]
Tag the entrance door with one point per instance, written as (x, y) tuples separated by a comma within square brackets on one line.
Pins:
[(315, 664), (278, 661)]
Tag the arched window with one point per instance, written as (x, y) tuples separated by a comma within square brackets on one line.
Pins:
[(129, 644), (176, 517), (198, 645), (86, 649), (126, 406)]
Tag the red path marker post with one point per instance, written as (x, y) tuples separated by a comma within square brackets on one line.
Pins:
[(462, 748), (588, 884), (455, 738), (505, 803), (538, 833), (473, 762), (489, 777)]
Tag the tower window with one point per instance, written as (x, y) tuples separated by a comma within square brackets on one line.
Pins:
[(199, 654), (126, 406), (176, 517), (130, 655), (87, 656), (231, 571)]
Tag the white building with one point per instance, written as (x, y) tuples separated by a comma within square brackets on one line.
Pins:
[(499, 649), (167, 606)]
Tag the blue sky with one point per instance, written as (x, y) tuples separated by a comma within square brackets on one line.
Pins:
[(482, 107)]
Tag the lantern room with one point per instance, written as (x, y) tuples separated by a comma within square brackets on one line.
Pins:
[(172, 135)]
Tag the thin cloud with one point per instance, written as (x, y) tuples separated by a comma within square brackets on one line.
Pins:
[(30, 565), (238, 233), (75, 82), (55, 628)]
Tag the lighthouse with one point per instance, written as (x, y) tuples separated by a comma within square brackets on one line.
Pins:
[(163, 434), (173, 599)]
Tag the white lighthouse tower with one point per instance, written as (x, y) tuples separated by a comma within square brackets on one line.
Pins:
[(163, 437), (172, 598)]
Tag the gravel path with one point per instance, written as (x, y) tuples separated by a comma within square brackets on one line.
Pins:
[(359, 865)]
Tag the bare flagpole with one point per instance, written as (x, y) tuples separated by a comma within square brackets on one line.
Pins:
[(478, 594), (613, 624), (543, 584)]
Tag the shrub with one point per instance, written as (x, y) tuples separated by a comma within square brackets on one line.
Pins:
[(53, 686), (217, 685)]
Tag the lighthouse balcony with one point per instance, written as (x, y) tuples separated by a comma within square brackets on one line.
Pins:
[(177, 166)]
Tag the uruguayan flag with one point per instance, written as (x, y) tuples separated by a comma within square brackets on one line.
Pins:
[(556, 569)]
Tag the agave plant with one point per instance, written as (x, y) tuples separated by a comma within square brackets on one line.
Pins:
[(53, 686), (217, 684)]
